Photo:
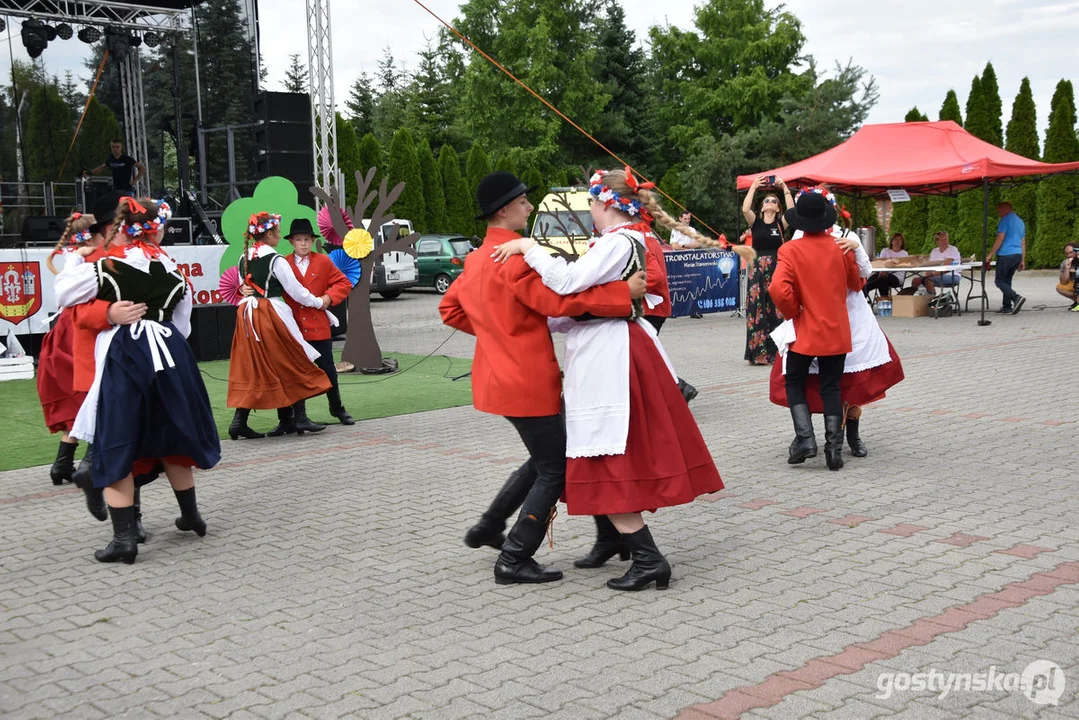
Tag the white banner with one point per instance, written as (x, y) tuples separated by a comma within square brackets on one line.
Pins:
[(28, 296)]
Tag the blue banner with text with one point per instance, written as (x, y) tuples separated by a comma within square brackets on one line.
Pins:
[(702, 281)]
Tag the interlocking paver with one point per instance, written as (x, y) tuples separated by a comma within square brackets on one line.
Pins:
[(334, 583)]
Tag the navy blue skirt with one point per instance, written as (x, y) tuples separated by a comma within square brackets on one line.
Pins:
[(145, 413)]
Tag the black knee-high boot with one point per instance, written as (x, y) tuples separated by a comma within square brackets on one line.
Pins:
[(285, 423), (488, 531), (140, 533), (515, 563), (189, 512), (82, 479), (608, 544), (301, 422), (63, 467), (337, 408), (648, 564), (124, 547), (239, 427), (833, 441), (804, 444), (857, 447)]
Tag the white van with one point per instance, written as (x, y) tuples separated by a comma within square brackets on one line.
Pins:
[(394, 271)]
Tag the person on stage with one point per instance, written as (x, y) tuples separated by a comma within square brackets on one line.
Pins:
[(632, 442), (809, 287), (272, 366), (515, 373), (321, 277), (125, 169), (148, 404)]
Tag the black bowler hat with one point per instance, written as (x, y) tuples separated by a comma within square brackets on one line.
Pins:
[(300, 226), (811, 213), (105, 209), (498, 190)]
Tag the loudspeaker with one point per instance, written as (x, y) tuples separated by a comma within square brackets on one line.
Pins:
[(178, 232), (43, 230), (212, 327), (283, 140)]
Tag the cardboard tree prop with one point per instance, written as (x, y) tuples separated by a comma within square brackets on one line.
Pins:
[(361, 345), (274, 194)]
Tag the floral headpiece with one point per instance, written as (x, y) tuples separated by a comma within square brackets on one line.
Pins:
[(81, 237), (819, 191), (631, 206), (261, 223), (150, 227)]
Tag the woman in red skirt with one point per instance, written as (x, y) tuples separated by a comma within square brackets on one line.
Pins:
[(60, 402), (632, 443)]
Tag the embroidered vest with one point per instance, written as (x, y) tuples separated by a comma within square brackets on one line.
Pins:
[(634, 265), (160, 289), (261, 271)]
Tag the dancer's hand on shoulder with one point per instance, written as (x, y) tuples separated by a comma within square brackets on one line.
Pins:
[(637, 286), (848, 244), (514, 247)]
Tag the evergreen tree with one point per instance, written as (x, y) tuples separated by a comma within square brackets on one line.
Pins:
[(348, 157), (430, 107), (972, 221), (533, 178), (626, 125), (98, 129), (48, 129), (459, 204), (1023, 140), (434, 193), (990, 91), (389, 76), (404, 166), (910, 218), (371, 156), (361, 105), (943, 211), (476, 167), (295, 75), (1056, 194)]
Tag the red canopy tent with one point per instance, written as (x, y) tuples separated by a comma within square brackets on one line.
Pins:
[(923, 158)]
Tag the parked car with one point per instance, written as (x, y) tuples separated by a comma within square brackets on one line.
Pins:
[(394, 271), (441, 259)]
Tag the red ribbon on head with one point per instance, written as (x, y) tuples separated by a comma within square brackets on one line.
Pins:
[(76, 215), (631, 181), (132, 204), (844, 212)]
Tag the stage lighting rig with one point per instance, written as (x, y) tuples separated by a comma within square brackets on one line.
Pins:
[(35, 37), (151, 39), (64, 31), (89, 34), (118, 44)]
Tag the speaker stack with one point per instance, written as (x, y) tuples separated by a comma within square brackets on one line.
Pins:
[(212, 327), (43, 231), (284, 140)]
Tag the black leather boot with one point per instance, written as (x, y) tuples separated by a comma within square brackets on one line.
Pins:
[(608, 544), (488, 531), (63, 467), (648, 564), (123, 547), (189, 512), (337, 408), (285, 423), (515, 563), (805, 441), (303, 423), (833, 441), (857, 447), (239, 427), (688, 391), (95, 497), (140, 532)]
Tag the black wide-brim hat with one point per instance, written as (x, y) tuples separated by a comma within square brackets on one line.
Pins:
[(811, 213), (105, 209), (300, 226), (498, 190)]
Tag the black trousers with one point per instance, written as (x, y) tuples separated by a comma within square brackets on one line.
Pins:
[(831, 372), (885, 282), (325, 363), (545, 438)]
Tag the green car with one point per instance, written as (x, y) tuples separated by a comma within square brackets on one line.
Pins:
[(441, 259)]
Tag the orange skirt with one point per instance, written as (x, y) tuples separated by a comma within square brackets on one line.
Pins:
[(272, 371)]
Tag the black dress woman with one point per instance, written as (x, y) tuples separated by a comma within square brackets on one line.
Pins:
[(768, 229)]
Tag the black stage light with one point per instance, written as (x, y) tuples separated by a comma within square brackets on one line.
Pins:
[(64, 31), (89, 34), (3, 25), (35, 37), (151, 39), (135, 40)]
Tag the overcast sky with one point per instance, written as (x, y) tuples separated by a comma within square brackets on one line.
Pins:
[(916, 49)]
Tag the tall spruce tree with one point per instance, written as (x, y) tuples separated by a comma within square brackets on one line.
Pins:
[(972, 220), (944, 211), (625, 126), (48, 129), (361, 105), (994, 109), (404, 166), (99, 127), (372, 156), (348, 156), (430, 110), (434, 191), (1056, 194), (1023, 140), (911, 218), (476, 167), (459, 206)]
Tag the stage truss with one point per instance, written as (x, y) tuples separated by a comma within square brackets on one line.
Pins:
[(320, 87)]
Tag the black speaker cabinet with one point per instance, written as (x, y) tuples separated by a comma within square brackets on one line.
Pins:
[(43, 230), (211, 331)]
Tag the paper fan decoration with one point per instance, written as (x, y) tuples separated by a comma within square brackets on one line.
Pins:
[(325, 225), (229, 285), (358, 243), (349, 266)]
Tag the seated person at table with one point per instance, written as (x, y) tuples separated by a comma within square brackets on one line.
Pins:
[(681, 241), (884, 282), (943, 251), (1066, 281)]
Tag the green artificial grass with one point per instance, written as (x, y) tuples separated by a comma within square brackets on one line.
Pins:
[(420, 384)]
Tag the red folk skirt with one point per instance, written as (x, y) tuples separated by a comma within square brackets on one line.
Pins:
[(666, 461), (272, 371), (857, 388), (56, 376)]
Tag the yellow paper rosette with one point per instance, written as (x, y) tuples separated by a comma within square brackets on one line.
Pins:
[(358, 243)]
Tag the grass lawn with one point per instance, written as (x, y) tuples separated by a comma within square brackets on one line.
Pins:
[(419, 385)]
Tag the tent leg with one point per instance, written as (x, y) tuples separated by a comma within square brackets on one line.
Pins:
[(985, 248)]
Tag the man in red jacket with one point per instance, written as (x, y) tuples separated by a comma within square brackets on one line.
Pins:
[(514, 371), (809, 287), (318, 274)]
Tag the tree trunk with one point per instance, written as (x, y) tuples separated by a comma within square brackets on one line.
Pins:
[(361, 344)]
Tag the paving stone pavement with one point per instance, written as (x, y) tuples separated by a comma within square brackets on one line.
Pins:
[(334, 583)]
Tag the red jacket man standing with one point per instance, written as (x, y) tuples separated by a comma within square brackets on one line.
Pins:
[(809, 287), (317, 273), (515, 372)]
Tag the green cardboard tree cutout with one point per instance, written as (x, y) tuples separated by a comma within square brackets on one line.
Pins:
[(274, 194), (361, 346)]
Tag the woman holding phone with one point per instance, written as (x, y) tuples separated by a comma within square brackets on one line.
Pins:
[(768, 229)]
